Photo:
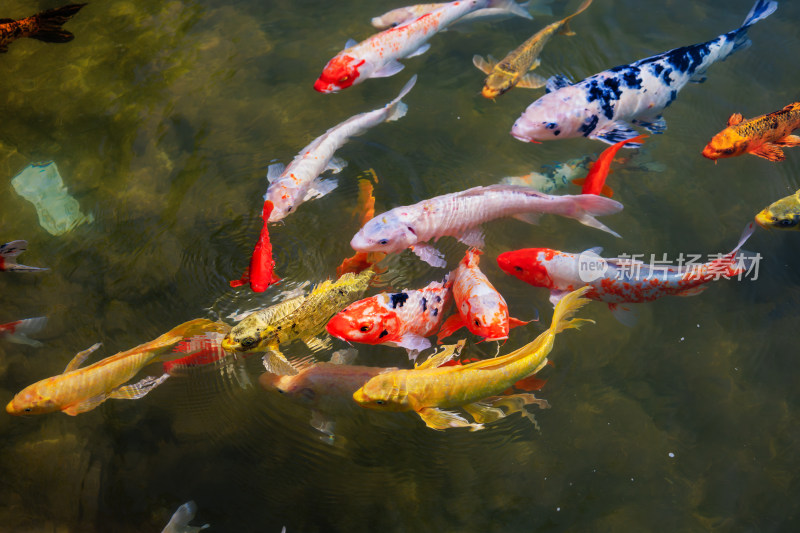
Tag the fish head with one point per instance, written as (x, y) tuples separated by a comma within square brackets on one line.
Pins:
[(385, 233), (486, 316), (296, 387), (284, 196), (556, 115), (393, 18), (365, 321), (340, 73), (726, 143), (243, 338), (529, 264), (381, 393), (31, 401), (495, 85), (783, 214)]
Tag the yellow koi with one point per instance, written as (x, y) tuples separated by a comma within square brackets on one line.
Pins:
[(783, 214), (513, 70), (430, 388), (302, 318), (78, 390)]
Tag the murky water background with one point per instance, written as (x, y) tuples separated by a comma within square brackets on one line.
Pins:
[(163, 117)]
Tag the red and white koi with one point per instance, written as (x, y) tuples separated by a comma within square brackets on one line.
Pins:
[(398, 319), (481, 307), (460, 214), (19, 330), (618, 281), (292, 185), (8, 257), (376, 57)]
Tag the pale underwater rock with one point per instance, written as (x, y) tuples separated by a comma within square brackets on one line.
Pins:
[(42, 185)]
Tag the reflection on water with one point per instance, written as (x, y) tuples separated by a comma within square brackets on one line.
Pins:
[(163, 117)]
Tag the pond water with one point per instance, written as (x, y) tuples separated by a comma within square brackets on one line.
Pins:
[(162, 117)]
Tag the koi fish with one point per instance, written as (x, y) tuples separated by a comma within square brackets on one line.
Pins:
[(19, 330), (460, 214), (179, 523), (78, 390), (377, 56), (44, 26), (8, 257), (302, 317), (291, 186), (325, 388), (762, 136), (481, 307), (514, 69), (361, 261), (201, 350), (603, 106), (595, 181), (552, 177), (401, 15), (402, 318), (783, 214), (429, 389), (617, 281), (261, 272)]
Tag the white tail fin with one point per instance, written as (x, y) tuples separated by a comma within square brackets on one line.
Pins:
[(511, 7), (590, 206), (8, 257), (18, 331)]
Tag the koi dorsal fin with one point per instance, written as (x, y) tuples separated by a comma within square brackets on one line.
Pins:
[(80, 357)]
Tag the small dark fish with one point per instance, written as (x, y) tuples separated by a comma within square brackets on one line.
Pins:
[(44, 26)]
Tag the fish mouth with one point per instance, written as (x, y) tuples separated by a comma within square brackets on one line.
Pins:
[(710, 153), (764, 220), (360, 397), (322, 87)]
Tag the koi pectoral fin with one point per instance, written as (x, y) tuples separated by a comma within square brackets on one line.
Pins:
[(85, 405), (439, 419), (532, 81), (139, 389), (429, 254), (276, 363), (770, 152), (482, 64), (484, 413), (450, 326)]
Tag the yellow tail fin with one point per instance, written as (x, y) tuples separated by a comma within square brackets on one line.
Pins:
[(568, 306)]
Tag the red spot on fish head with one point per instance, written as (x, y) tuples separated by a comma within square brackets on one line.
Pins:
[(529, 265), (364, 321), (340, 73)]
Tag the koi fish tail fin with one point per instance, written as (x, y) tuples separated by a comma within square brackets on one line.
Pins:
[(25, 327), (397, 109), (511, 7), (8, 257), (589, 206), (735, 263), (180, 520), (565, 29), (50, 22), (568, 306), (761, 10)]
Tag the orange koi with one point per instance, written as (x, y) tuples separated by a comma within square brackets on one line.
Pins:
[(78, 390), (595, 180), (361, 261), (761, 136)]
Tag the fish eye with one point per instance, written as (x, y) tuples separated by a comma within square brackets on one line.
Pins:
[(518, 268), (28, 409), (477, 322), (248, 342), (344, 79), (379, 402), (365, 328), (383, 241), (281, 391)]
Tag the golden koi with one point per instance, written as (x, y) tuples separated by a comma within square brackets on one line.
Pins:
[(513, 70), (301, 318), (428, 389), (783, 214), (78, 390), (761, 136)]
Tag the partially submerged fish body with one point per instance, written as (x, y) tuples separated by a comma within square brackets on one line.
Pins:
[(292, 185), (460, 215), (605, 106), (78, 390), (553, 177), (377, 56), (513, 70), (8, 257), (301, 318), (44, 26), (429, 389), (19, 330), (179, 523), (401, 15), (595, 180), (401, 319), (761, 136), (618, 280), (481, 307), (783, 214)]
